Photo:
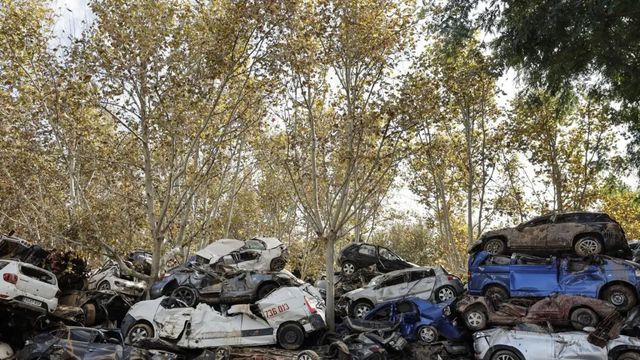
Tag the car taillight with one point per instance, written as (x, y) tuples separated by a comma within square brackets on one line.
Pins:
[(311, 308), (10, 278)]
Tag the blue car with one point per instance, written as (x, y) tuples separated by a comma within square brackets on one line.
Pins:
[(419, 319), (614, 280)]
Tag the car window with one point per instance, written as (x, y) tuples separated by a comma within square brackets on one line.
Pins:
[(388, 254), (542, 220), (419, 275), (406, 307), (248, 256), (255, 244), (3, 264), (367, 250), (382, 314), (38, 274), (398, 279), (83, 335), (567, 218)]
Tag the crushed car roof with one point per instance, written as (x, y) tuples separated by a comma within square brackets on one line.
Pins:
[(219, 248)]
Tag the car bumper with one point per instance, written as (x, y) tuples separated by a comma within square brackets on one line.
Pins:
[(19, 302)]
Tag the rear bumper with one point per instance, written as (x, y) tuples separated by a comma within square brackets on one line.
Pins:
[(19, 302)]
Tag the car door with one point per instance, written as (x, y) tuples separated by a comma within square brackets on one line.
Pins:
[(531, 235), (248, 259), (533, 345), (574, 346), (171, 322), (37, 283), (394, 287), (581, 277), (389, 261), (533, 276), (562, 231), (421, 283), (210, 328)]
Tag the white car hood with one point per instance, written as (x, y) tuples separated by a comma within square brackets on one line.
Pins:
[(219, 248)]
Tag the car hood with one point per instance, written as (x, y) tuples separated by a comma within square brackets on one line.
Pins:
[(219, 248)]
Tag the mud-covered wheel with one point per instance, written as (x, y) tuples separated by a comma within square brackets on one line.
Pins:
[(278, 264), (360, 308), (505, 355), (588, 245), (290, 336), (307, 355), (185, 294), (266, 289), (139, 332), (475, 318), (583, 317), (621, 296), (427, 334), (496, 292), (445, 293), (89, 310), (495, 246), (629, 355), (104, 285), (222, 353), (348, 268)]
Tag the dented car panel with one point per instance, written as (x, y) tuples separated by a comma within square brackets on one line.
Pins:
[(261, 254), (108, 277), (532, 344), (528, 276)]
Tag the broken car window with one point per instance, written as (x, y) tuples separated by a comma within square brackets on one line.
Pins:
[(497, 260), (367, 250), (38, 274), (255, 244), (419, 275), (398, 279), (387, 254)]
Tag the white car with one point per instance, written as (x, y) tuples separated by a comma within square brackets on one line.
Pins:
[(284, 317), (108, 277), (261, 253), (28, 286)]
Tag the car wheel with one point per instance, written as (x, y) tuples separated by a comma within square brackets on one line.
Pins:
[(622, 297), (629, 356), (588, 245), (475, 318), (445, 293), (139, 332), (278, 264), (496, 292), (339, 350), (348, 268), (360, 309), (89, 310), (427, 334), (266, 289), (290, 336), (222, 353), (104, 285), (185, 294), (505, 355), (583, 317), (495, 246), (307, 355)]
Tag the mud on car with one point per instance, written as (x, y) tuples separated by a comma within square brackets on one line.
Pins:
[(614, 280), (584, 233), (260, 253), (361, 255)]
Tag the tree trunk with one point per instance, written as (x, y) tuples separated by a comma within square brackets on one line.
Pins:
[(331, 281)]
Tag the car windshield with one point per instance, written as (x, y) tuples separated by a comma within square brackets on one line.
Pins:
[(254, 244), (376, 281), (388, 254)]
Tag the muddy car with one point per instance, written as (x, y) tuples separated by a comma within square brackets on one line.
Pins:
[(85, 343), (560, 310), (261, 254), (431, 283), (99, 307), (361, 255), (284, 317), (202, 284), (109, 277), (614, 280), (584, 233), (529, 342)]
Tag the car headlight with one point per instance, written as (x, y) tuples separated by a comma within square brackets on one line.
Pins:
[(446, 311)]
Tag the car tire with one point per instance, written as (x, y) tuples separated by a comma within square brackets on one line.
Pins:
[(277, 264), (494, 246), (497, 292), (475, 318), (222, 353), (360, 308), (339, 350), (104, 285), (505, 355), (290, 336), (307, 355), (138, 332), (629, 355), (90, 311), (186, 294), (348, 268), (427, 334), (621, 296), (445, 293), (583, 317), (266, 289), (588, 245)]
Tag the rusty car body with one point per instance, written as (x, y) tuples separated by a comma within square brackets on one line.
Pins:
[(481, 312), (586, 233)]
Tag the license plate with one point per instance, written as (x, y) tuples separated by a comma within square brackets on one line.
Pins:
[(32, 302)]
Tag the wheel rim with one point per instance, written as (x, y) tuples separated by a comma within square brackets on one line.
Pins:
[(185, 295), (588, 246), (305, 357), (427, 335), (505, 357), (278, 264), (291, 337), (585, 319), (493, 246), (618, 299), (348, 268), (446, 294), (221, 354), (104, 286), (474, 319), (138, 334), (361, 310)]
